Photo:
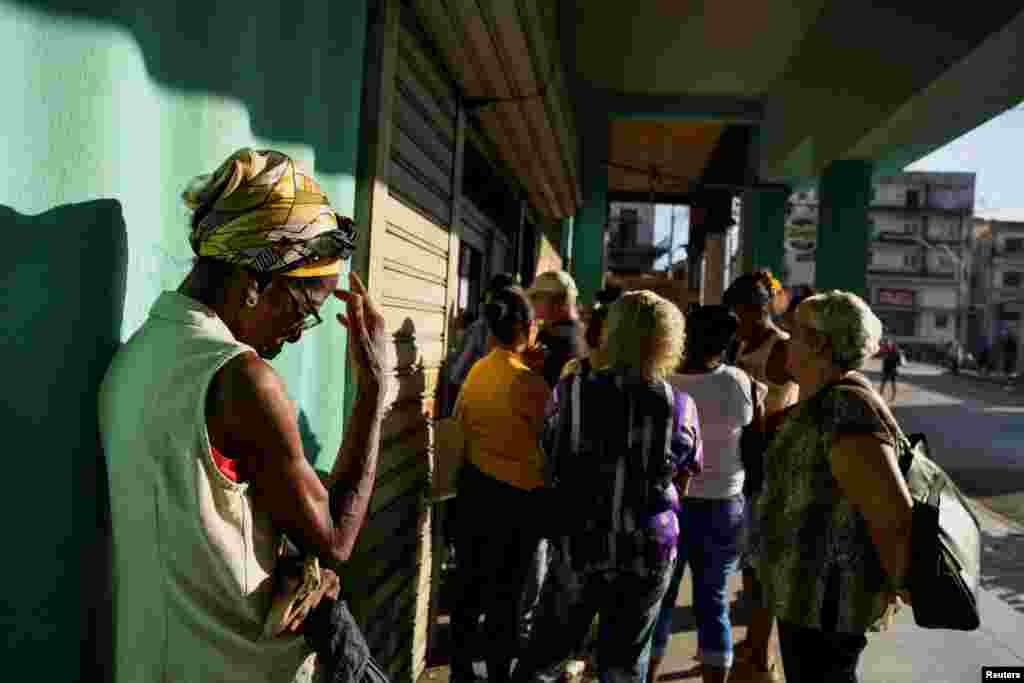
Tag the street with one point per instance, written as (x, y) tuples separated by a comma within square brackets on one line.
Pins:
[(975, 430)]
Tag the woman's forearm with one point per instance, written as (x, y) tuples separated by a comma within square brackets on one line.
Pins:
[(869, 476), (355, 470)]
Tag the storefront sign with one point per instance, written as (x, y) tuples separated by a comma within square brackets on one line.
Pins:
[(896, 297)]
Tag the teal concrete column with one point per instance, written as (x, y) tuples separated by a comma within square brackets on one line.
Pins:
[(592, 218), (763, 221), (565, 245), (843, 227)]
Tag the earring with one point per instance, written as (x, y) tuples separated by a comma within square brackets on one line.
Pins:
[(251, 299)]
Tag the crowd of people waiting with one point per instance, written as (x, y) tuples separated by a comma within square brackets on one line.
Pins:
[(601, 460), (715, 440)]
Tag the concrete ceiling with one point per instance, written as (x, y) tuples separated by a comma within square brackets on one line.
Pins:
[(659, 156), (852, 79), (506, 54), (694, 47), (814, 81)]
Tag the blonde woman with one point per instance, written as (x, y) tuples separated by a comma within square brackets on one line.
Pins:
[(616, 440), (835, 512)]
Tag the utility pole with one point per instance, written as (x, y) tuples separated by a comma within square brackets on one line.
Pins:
[(671, 237)]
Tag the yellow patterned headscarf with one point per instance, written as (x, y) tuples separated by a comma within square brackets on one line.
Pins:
[(262, 213)]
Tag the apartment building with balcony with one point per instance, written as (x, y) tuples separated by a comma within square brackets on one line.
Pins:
[(997, 281), (919, 261)]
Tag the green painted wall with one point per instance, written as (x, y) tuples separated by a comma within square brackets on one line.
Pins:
[(566, 241), (591, 220), (106, 119), (764, 225), (843, 227)]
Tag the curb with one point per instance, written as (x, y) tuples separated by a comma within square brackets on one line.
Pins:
[(998, 517)]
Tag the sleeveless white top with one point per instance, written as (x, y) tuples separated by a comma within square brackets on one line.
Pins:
[(724, 408), (192, 558)]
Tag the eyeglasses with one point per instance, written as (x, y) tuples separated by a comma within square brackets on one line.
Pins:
[(310, 317)]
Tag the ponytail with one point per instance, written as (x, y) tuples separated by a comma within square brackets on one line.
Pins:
[(507, 313)]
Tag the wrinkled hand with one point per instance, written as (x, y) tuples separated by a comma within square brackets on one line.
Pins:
[(330, 586), (366, 334)]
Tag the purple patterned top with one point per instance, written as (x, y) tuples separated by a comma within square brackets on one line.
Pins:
[(614, 443)]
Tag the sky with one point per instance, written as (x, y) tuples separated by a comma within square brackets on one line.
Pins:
[(663, 228), (992, 152)]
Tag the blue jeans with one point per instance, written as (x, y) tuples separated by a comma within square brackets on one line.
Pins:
[(710, 533), (628, 605)]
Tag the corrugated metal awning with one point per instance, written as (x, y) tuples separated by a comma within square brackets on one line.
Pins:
[(504, 55)]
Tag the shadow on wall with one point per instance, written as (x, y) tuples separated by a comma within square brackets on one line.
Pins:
[(311, 52), (62, 294), (380, 578), (311, 446)]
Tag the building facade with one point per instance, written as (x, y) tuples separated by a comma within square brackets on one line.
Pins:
[(631, 245), (919, 260), (997, 283)]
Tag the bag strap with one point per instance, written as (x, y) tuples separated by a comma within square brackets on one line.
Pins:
[(865, 391)]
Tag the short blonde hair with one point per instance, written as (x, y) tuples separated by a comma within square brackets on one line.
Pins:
[(848, 323), (645, 332)]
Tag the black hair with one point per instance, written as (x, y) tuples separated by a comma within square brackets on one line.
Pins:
[(508, 311), (595, 326), (212, 275), (803, 292), (501, 281), (710, 330), (609, 295), (750, 288)]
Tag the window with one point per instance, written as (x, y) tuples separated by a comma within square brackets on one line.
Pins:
[(941, 321), (911, 261), (1014, 244), (942, 264), (629, 220), (941, 231), (470, 278), (899, 323), (1013, 279), (913, 199)]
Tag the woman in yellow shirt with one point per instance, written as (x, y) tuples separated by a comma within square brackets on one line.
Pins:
[(501, 413)]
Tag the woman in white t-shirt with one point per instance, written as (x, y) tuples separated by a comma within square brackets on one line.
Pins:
[(712, 515)]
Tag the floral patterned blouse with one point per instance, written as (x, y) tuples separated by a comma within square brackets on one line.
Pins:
[(817, 562)]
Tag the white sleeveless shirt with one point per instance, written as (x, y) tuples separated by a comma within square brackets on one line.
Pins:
[(192, 559)]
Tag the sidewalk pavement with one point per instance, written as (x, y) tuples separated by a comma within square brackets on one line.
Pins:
[(905, 653)]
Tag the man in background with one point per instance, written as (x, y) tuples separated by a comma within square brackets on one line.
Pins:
[(553, 296), (559, 341), (892, 359)]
